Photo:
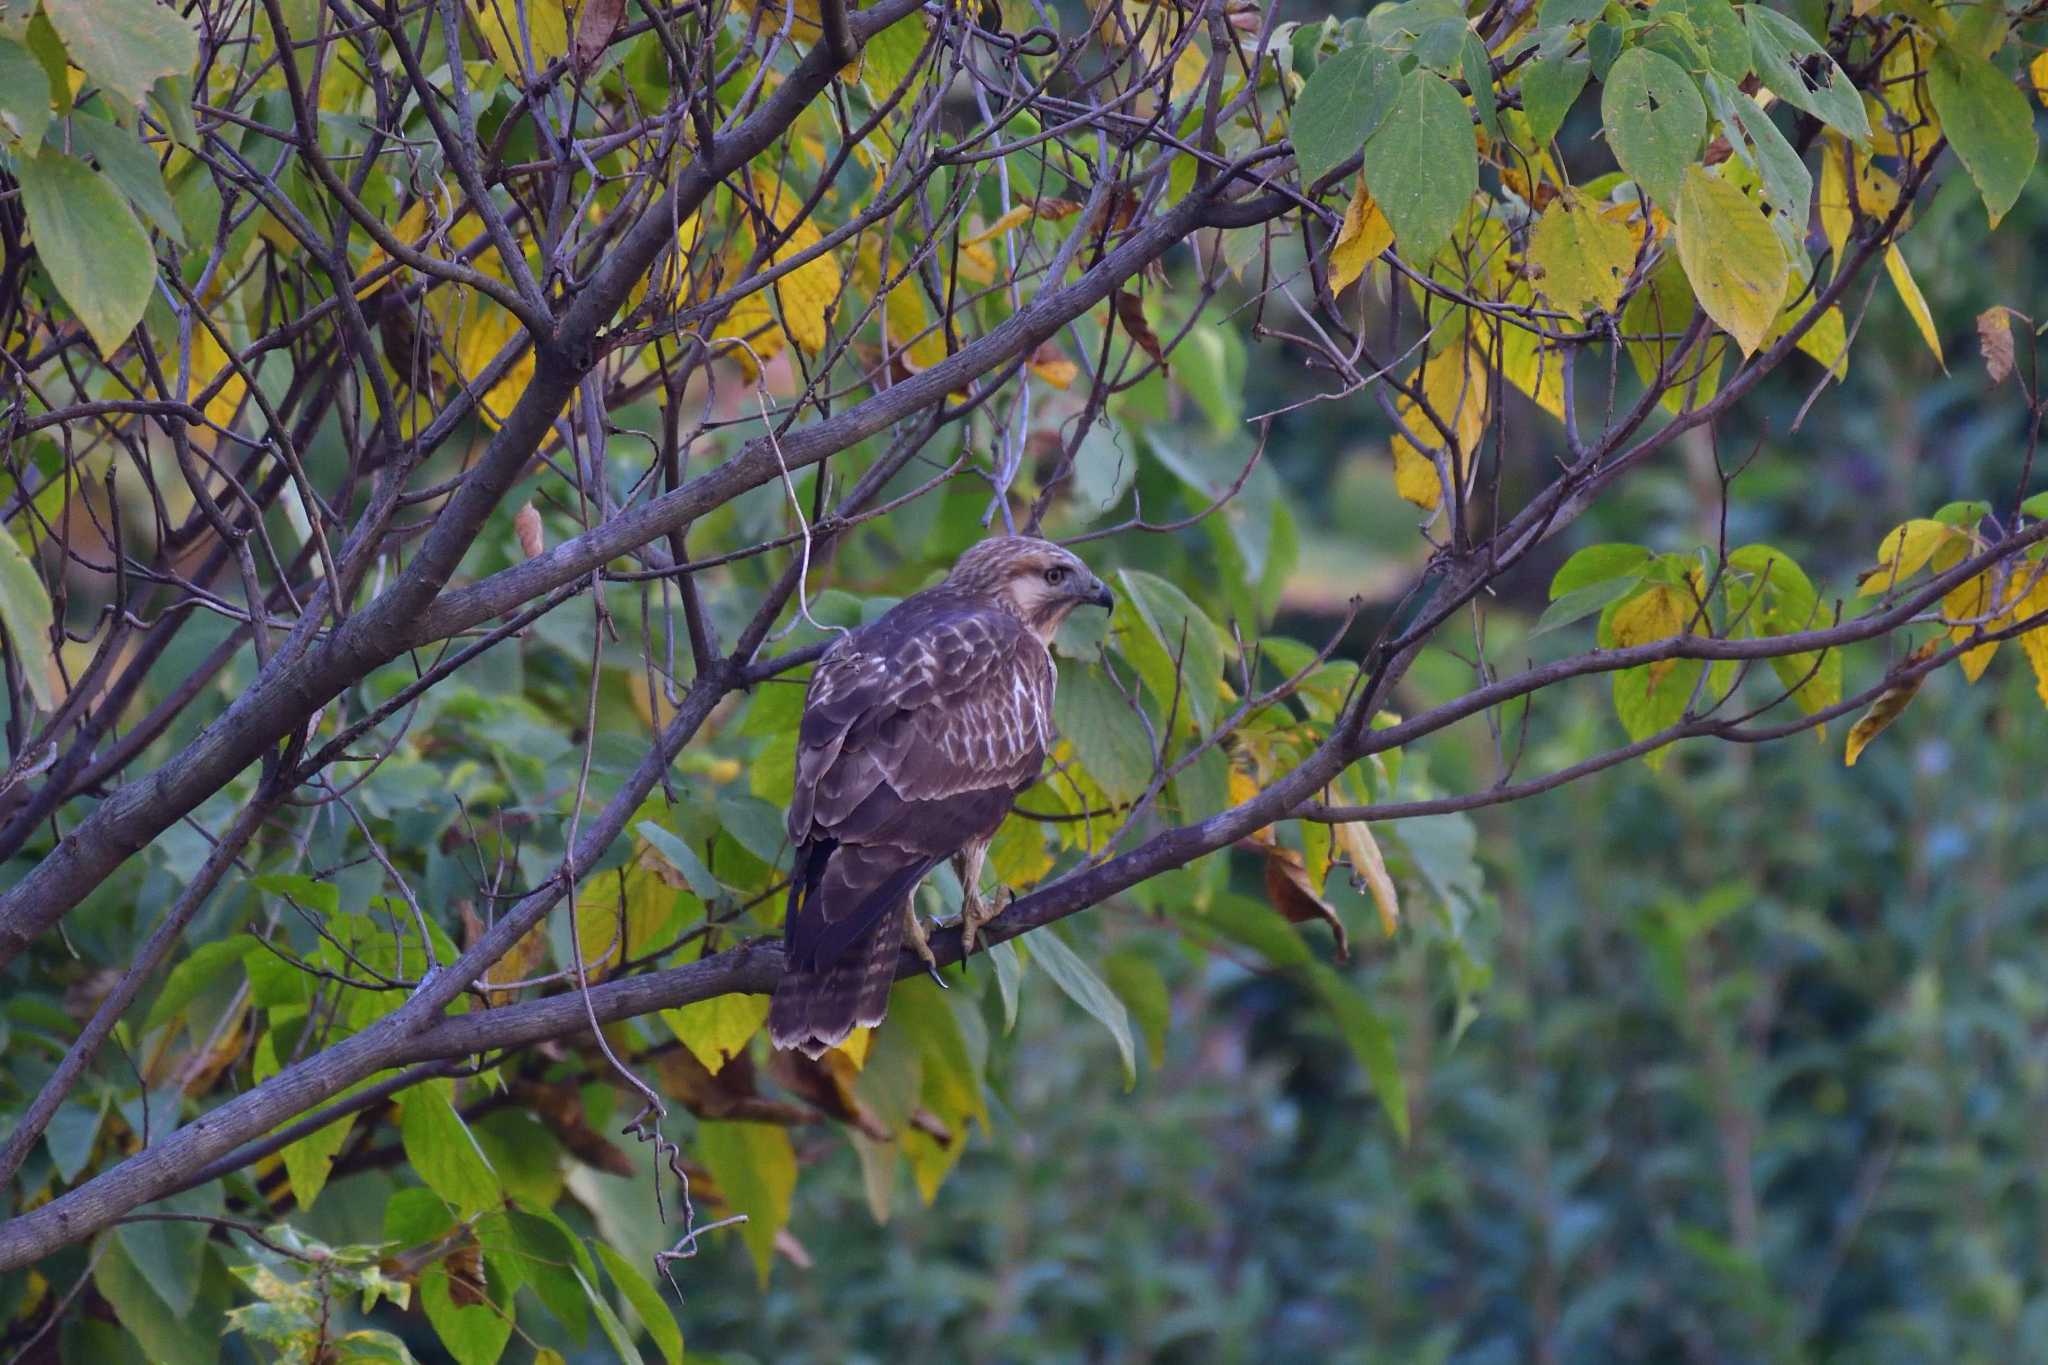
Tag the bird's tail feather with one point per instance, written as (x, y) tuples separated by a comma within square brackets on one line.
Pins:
[(815, 1010)]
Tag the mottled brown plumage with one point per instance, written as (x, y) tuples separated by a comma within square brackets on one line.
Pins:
[(919, 731)]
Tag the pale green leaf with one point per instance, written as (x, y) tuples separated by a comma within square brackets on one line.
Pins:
[(1655, 120), (88, 238), (24, 98), (646, 1301), (442, 1151), (755, 1168), (1422, 166), (1080, 983), (1341, 106), (125, 45), (1987, 120), (1786, 55)]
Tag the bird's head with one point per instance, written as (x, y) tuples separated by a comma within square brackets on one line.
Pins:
[(1034, 580)]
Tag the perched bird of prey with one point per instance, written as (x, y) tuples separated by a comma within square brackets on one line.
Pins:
[(919, 731)]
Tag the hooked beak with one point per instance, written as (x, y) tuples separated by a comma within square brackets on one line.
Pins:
[(1100, 597)]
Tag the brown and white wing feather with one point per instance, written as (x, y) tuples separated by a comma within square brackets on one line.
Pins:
[(918, 733)]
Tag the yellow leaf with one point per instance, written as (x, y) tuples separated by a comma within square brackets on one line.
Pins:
[(622, 912), (1018, 855), (209, 361), (1731, 255), (480, 329), (2037, 73), (909, 328), (1904, 551), (855, 1048), (1583, 258), (524, 36), (809, 293), (1658, 614), (1890, 704), (1454, 383), (1356, 839), (1050, 363), (718, 1030), (2034, 644), (1876, 193), (1364, 235), (1971, 602), (754, 1166), (1016, 217), (1916, 305)]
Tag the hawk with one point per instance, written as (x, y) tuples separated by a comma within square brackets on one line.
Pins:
[(919, 731)]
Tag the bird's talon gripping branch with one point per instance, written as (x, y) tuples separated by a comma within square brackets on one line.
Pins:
[(920, 939)]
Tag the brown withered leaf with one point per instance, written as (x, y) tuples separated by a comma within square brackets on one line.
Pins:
[(465, 1264), (1130, 311), (1291, 891), (1994, 338), (827, 1084), (731, 1094), (595, 24), (526, 525), (1889, 706)]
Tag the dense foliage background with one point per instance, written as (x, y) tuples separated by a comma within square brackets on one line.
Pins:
[(1740, 1056)]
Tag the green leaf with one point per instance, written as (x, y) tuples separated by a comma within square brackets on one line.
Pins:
[(1556, 13), (443, 1152), (307, 1161), (475, 1334), (1369, 1040), (1731, 255), (166, 1335), (24, 98), (207, 963), (1254, 924), (1784, 53), (1580, 603), (1655, 120), (132, 167), (1340, 107), (1477, 69), (682, 858), (73, 1132), (646, 1301), (125, 45), (1653, 697), (171, 1253), (615, 1331), (755, 1169), (1143, 990), (25, 614), (1009, 976), (1175, 647), (1549, 89), (1107, 734), (1598, 564), (87, 237), (1756, 139), (1082, 986), (1422, 166), (1988, 121), (1584, 258)]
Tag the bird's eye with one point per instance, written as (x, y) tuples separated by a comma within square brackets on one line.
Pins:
[(1056, 575)]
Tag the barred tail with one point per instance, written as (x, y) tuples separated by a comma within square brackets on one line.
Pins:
[(815, 1010)]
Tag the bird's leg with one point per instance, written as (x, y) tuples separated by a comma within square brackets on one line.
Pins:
[(974, 911), (914, 927)]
